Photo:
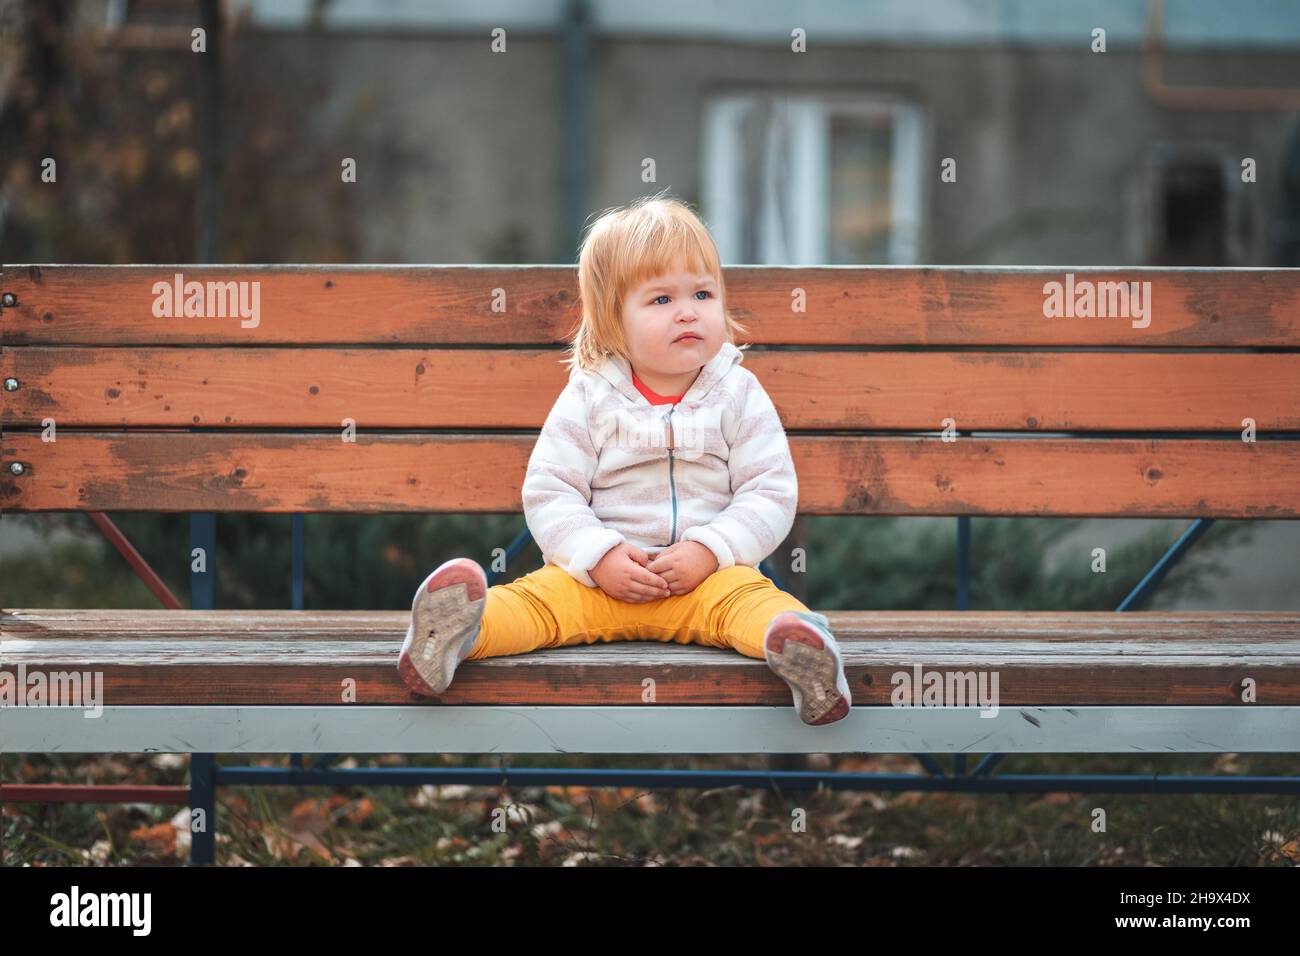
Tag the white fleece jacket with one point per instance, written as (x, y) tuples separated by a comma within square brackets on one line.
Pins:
[(609, 467)]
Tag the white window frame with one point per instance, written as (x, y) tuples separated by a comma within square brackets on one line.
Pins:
[(808, 117)]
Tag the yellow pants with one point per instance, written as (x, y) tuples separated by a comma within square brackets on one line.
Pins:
[(549, 608)]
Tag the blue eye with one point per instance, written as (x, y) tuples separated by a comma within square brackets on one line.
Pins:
[(655, 300)]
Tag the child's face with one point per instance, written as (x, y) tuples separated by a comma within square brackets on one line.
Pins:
[(659, 312)]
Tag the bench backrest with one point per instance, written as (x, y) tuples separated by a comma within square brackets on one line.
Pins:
[(448, 372)]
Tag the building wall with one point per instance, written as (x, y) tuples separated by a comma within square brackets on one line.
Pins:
[(460, 151)]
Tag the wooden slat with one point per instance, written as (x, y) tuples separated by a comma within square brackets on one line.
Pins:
[(845, 305), (514, 388), (292, 657), (325, 625), (399, 472)]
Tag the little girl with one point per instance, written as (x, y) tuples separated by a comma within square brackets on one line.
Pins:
[(661, 479)]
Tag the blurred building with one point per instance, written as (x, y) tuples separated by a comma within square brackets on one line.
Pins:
[(1062, 154)]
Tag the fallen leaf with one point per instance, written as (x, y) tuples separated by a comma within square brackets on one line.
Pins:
[(159, 839), (360, 811)]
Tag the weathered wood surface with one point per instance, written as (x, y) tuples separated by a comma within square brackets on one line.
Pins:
[(305, 657), (514, 388), (842, 305), (863, 475)]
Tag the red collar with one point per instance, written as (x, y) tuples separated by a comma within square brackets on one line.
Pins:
[(655, 398)]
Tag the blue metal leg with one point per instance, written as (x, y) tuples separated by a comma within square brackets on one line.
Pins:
[(521, 541), (203, 796), (203, 584), (299, 561), (203, 776), (297, 571), (765, 567), (1137, 597), (963, 562), (930, 764), (987, 764)]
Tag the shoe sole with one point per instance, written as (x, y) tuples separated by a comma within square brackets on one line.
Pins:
[(799, 655), (445, 617)]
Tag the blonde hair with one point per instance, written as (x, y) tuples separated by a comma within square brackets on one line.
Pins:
[(625, 247)]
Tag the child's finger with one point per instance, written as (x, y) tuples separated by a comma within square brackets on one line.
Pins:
[(649, 579), (645, 592)]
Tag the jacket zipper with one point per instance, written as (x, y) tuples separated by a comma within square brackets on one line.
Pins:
[(672, 484)]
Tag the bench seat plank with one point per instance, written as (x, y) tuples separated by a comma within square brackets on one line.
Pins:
[(161, 657)]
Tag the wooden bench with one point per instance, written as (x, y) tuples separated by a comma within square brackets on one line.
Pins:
[(448, 372)]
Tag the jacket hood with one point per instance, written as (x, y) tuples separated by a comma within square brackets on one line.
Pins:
[(618, 373)]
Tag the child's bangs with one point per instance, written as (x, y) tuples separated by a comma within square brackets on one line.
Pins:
[(668, 246)]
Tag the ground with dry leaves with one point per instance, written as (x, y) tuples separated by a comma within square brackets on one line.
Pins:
[(579, 826)]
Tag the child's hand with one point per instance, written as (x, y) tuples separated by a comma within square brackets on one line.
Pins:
[(622, 574), (684, 566)]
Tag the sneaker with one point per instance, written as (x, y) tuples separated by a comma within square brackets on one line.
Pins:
[(445, 619), (801, 650)]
